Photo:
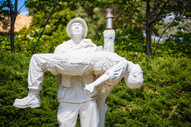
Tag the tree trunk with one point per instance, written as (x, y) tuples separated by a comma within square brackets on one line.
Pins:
[(12, 34), (13, 14), (148, 30)]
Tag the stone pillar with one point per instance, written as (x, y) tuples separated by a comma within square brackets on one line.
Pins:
[(109, 33), (109, 39)]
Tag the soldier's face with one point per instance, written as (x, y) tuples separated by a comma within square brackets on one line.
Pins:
[(77, 28)]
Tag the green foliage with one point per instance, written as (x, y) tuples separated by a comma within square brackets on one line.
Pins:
[(93, 15), (13, 84), (126, 14), (129, 39), (179, 44), (163, 99), (5, 43), (55, 32)]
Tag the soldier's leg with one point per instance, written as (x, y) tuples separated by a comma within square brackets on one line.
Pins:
[(67, 114), (38, 65), (89, 114)]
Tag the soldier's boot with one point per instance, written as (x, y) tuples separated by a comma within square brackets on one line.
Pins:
[(32, 100)]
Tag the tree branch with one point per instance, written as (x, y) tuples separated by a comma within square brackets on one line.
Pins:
[(160, 12), (21, 7), (44, 27), (11, 10), (157, 32), (161, 36)]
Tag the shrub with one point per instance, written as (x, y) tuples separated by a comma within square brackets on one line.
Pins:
[(163, 99), (13, 84)]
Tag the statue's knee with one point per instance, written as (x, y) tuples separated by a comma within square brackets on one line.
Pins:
[(35, 55)]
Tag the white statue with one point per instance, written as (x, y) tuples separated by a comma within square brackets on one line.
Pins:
[(78, 63), (72, 99)]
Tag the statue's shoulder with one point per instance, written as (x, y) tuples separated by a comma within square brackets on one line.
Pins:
[(88, 42), (65, 45)]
